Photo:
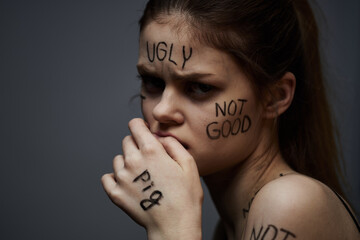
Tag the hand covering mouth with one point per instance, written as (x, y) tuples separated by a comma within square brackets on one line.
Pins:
[(163, 134)]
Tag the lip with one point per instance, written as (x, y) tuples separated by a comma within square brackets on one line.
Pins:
[(164, 134)]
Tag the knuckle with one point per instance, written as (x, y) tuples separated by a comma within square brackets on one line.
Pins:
[(121, 175), (133, 163), (149, 148), (133, 122), (114, 194), (117, 157), (118, 161), (104, 177), (131, 160), (126, 139), (189, 159)]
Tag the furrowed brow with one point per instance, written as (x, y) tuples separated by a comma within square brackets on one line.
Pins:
[(144, 70), (190, 76)]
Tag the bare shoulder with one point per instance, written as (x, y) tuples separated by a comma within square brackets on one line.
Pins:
[(298, 207)]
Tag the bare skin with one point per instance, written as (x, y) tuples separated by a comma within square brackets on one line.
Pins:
[(203, 118)]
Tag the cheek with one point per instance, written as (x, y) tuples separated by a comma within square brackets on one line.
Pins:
[(231, 118), (228, 136)]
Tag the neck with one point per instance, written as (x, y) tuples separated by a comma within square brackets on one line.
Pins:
[(233, 190)]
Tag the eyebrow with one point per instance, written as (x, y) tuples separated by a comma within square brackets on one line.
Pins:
[(143, 70)]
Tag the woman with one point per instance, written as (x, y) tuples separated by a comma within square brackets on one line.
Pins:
[(231, 91)]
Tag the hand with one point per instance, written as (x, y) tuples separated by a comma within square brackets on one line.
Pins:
[(156, 182)]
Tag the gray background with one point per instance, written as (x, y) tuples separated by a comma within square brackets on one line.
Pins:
[(67, 72)]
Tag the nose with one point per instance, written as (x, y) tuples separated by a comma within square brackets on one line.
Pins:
[(168, 110)]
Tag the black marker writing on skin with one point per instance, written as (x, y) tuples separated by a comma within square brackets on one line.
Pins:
[(144, 176), (154, 199), (162, 52), (160, 56), (271, 232), (171, 50), (246, 210), (231, 108), (148, 54), (215, 130), (155, 196), (148, 187), (186, 58), (288, 233)]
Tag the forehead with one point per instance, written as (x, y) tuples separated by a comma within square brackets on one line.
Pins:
[(168, 44), (170, 30)]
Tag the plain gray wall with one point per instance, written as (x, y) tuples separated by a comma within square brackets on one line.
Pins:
[(67, 72)]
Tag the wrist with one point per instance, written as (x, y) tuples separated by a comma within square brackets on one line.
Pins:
[(190, 233), (177, 228)]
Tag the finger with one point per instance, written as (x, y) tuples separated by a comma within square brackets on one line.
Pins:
[(141, 133), (112, 190), (118, 163), (177, 152), (108, 182), (129, 146)]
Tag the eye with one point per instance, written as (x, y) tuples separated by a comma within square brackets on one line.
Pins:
[(198, 89), (152, 85)]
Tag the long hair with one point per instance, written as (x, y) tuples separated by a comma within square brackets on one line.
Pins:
[(269, 38)]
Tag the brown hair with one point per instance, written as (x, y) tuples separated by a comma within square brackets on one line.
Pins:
[(270, 38)]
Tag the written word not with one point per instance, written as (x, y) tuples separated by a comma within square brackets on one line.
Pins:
[(230, 108), (271, 232)]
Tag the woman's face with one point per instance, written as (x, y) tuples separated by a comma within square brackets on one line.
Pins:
[(198, 95)]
